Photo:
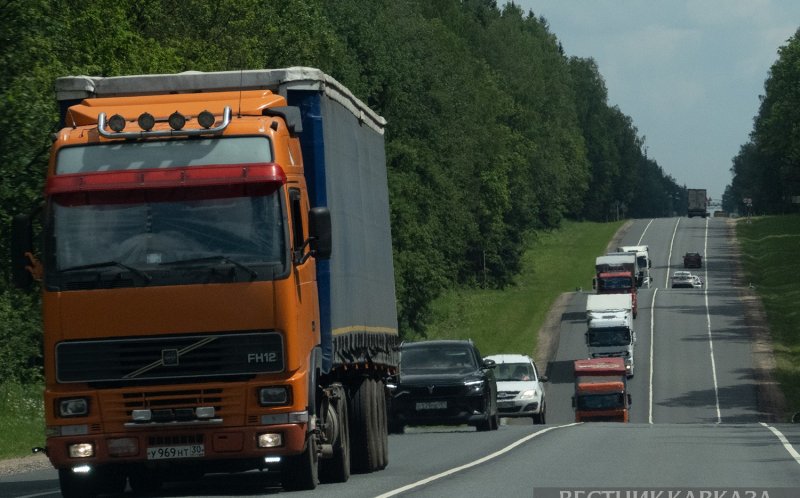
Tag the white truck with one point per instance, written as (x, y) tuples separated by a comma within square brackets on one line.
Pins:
[(610, 328), (642, 260)]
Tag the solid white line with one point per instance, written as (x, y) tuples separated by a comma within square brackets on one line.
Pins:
[(652, 328), (496, 454), (44, 493), (783, 441), (669, 257), (708, 322), (643, 232)]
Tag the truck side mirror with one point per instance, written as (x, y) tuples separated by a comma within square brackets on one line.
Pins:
[(573, 402), (21, 243), (319, 228), (594, 283), (630, 400)]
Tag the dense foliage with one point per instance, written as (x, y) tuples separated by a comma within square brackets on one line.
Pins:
[(767, 168), (493, 132)]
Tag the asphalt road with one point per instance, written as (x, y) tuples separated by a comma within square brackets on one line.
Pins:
[(695, 416)]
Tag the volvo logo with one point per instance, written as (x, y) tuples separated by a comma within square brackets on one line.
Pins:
[(430, 389), (170, 357)]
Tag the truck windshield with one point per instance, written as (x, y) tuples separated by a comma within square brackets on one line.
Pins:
[(601, 401), (156, 230), (614, 283), (611, 336)]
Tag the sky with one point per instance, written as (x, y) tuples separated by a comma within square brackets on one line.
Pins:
[(689, 73)]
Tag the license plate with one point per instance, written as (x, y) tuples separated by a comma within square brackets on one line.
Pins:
[(167, 452), (432, 405)]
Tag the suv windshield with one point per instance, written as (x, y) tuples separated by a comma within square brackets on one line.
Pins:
[(440, 359)]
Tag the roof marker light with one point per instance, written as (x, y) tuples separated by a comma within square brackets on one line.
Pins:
[(146, 121), (206, 119), (176, 121), (116, 123)]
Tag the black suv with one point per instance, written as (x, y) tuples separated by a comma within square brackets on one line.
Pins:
[(443, 383)]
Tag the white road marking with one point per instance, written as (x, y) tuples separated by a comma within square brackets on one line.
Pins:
[(669, 257), (652, 329), (643, 231), (783, 441), (479, 461), (708, 324)]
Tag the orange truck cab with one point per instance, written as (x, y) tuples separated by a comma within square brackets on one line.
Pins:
[(217, 281), (601, 391)]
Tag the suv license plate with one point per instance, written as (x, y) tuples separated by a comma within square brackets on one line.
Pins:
[(432, 405), (167, 452)]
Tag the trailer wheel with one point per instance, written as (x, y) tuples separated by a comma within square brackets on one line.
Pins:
[(364, 438), (337, 468), (383, 430), (301, 472)]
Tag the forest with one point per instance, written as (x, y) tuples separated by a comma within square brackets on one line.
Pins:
[(766, 171), (494, 134)]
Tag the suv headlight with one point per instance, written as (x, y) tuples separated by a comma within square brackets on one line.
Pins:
[(474, 386)]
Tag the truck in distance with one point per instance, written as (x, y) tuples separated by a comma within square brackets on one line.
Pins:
[(610, 328), (643, 262), (218, 289), (697, 202), (601, 390), (616, 274)]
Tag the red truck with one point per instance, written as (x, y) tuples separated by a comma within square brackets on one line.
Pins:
[(616, 274), (601, 390)]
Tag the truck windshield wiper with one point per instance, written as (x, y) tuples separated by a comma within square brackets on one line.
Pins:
[(253, 274), (106, 264)]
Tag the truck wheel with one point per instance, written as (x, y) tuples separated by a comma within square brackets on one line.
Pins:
[(77, 485), (363, 434), (301, 472), (383, 430), (144, 481), (337, 468), (113, 480)]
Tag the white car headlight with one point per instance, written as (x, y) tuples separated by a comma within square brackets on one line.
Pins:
[(528, 394)]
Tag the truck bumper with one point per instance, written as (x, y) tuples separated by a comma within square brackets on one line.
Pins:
[(186, 446)]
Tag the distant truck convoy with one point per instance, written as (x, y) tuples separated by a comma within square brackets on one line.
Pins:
[(610, 328), (642, 261), (218, 291), (617, 273), (697, 202), (601, 391)]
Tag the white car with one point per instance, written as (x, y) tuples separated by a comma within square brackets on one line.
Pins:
[(520, 389), (685, 279)]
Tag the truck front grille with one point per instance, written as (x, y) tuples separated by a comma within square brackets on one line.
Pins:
[(144, 359)]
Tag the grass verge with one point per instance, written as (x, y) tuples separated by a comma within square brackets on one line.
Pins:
[(21, 419), (769, 249), (507, 320)]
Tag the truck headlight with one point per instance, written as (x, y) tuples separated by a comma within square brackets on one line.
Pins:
[(273, 396), (74, 407), (81, 450)]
